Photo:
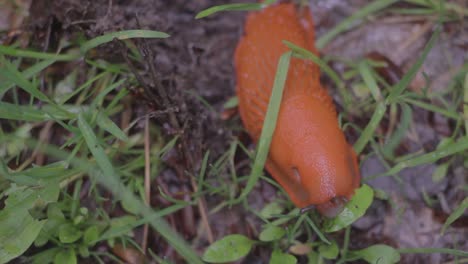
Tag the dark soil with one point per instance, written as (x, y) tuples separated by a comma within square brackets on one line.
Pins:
[(196, 61)]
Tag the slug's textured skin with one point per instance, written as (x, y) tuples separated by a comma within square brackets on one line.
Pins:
[(309, 155)]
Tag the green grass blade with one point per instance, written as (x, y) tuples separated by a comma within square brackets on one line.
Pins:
[(432, 108), (120, 231), (9, 72), (23, 113), (449, 251), (126, 34), (109, 178), (368, 132), (346, 24), (269, 124), (229, 7), (465, 105), (408, 77), (447, 150), (457, 213), (398, 135), (98, 152), (32, 113), (5, 50), (27, 74), (317, 231), (369, 79), (104, 122), (81, 88)]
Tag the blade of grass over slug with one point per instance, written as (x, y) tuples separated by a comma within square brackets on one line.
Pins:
[(303, 53), (229, 7), (408, 77), (126, 34), (108, 176), (269, 124), (346, 24)]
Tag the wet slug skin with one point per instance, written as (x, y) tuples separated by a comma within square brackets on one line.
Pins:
[(309, 156)]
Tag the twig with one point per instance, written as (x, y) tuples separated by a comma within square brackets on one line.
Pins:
[(202, 210), (144, 243)]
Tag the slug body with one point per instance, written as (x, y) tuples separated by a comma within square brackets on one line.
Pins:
[(309, 155)]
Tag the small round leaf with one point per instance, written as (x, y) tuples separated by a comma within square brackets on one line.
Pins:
[(91, 235), (228, 249), (329, 251), (356, 208), (68, 233), (271, 233), (271, 209), (278, 257), (66, 256), (381, 254)]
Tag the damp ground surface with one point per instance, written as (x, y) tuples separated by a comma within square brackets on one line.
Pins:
[(195, 67)]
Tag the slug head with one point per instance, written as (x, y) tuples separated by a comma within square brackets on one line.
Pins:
[(317, 166)]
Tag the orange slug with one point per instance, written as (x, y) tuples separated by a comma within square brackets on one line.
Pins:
[(309, 155)]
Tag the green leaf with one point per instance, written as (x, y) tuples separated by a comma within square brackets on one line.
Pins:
[(329, 251), (356, 208), (18, 229), (68, 233), (271, 209), (456, 214), (279, 257), (229, 7), (67, 256), (91, 235), (228, 249), (13, 244), (129, 206), (46, 256), (271, 233), (314, 258), (231, 102), (83, 251), (378, 254)]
